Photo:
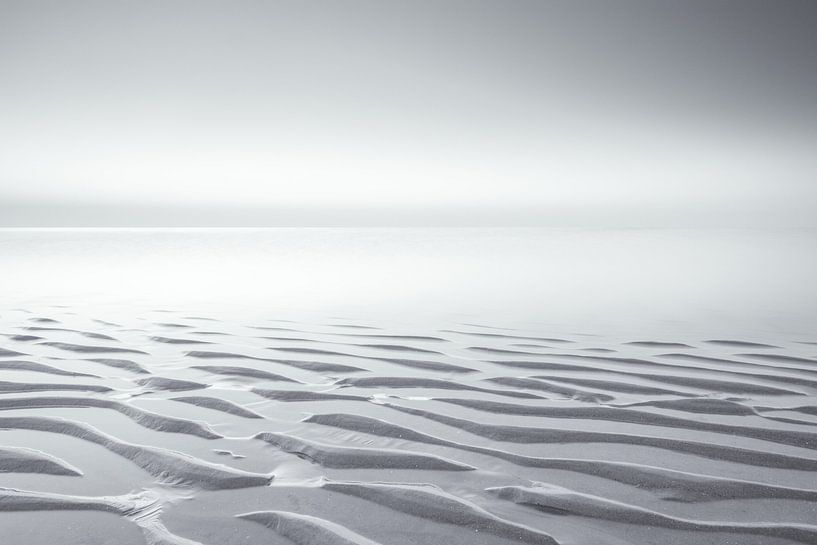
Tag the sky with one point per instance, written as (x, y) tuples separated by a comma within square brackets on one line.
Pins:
[(449, 112)]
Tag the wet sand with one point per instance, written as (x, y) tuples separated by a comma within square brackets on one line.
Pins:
[(165, 427)]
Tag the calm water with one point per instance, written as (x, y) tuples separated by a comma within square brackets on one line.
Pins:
[(645, 281)]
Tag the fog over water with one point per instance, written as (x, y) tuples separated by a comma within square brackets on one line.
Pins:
[(657, 281)]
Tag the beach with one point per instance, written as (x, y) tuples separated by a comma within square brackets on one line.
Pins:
[(517, 386)]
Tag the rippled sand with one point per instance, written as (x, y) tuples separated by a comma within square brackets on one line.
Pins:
[(168, 428)]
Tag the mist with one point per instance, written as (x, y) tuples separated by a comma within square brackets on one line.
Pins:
[(392, 113)]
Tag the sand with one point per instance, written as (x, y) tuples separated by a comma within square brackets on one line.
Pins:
[(161, 427)]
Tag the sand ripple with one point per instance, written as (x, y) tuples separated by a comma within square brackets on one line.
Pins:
[(460, 435)]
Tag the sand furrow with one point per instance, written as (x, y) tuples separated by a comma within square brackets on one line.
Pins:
[(305, 395), (316, 366), (19, 387), (26, 460), (519, 434), (128, 365), (712, 385), (669, 484), (426, 383), (724, 365), (739, 344), (86, 349), (140, 508), (170, 340), (88, 334), (359, 458), (21, 365), (144, 418), (393, 337), (658, 344), (430, 502), (618, 386), (20, 338), (171, 384), (504, 336), (554, 498), (398, 348), (611, 414), (243, 372), (306, 530), (427, 365), (782, 358), (218, 405), (709, 384), (168, 466), (545, 386), (650, 366)]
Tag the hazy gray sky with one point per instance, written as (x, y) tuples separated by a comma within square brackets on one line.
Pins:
[(315, 112)]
